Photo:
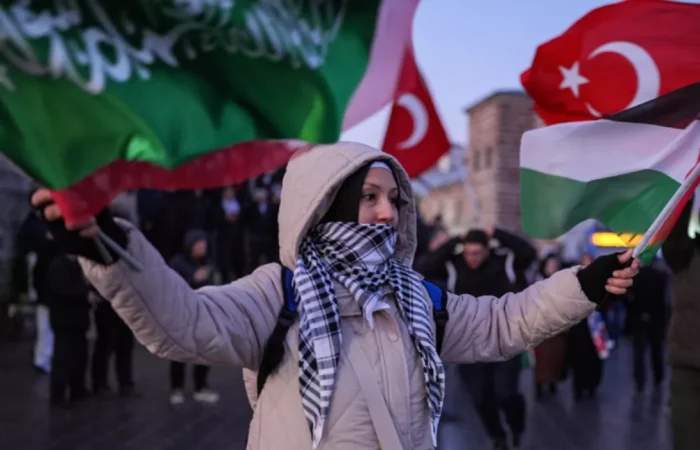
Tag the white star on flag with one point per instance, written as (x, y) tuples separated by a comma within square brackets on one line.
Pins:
[(572, 78)]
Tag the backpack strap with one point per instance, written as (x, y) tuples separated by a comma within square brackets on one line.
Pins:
[(274, 348), (440, 315)]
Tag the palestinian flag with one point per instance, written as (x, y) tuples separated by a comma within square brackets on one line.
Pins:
[(621, 170), (101, 97)]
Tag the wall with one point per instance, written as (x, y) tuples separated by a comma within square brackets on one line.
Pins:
[(496, 126)]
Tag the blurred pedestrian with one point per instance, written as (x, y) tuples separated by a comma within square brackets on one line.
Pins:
[(550, 355), (195, 267), (70, 319)]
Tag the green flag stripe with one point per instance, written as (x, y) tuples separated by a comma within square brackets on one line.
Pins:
[(624, 203)]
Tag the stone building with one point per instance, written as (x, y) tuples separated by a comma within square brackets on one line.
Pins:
[(496, 125), (442, 193), (486, 191)]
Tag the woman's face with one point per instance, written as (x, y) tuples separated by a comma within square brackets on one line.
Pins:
[(380, 198)]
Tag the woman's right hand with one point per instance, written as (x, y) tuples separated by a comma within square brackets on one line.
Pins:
[(79, 238)]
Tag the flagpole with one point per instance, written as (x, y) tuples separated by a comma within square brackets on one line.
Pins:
[(680, 192), (102, 250), (132, 262)]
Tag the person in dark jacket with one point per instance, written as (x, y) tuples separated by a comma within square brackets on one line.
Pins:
[(586, 364), (261, 221), (34, 239), (682, 254), (231, 249), (194, 266), (430, 238), (70, 319), (550, 355), (646, 309), (113, 337), (468, 265)]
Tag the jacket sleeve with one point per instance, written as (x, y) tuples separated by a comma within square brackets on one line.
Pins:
[(678, 247), (525, 254), (485, 329), (216, 325), (181, 268)]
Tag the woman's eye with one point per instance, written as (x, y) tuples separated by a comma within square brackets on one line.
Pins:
[(369, 197)]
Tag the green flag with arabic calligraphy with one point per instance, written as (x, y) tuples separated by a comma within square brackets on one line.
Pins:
[(99, 97)]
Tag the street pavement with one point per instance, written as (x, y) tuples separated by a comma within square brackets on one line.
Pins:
[(617, 419)]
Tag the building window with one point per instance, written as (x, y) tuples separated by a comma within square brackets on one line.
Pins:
[(488, 157), (448, 212), (459, 210), (476, 161)]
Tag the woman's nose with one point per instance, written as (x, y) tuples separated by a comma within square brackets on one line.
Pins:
[(385, 212)]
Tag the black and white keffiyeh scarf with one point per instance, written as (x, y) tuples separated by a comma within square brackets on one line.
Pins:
[(360, 257)]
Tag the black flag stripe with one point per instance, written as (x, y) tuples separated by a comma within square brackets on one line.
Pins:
[(674, 110)]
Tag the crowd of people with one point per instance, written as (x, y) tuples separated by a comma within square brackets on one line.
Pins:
[(215, 237), (208, 237), (494, 262)]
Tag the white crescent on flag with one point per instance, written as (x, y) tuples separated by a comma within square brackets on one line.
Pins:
[(420, 119), (648, 77)]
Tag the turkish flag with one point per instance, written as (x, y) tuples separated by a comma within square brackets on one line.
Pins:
[(415, 135), (615, 57)]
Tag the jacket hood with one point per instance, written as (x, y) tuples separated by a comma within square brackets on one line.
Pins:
[(191, 237), (312, 180)]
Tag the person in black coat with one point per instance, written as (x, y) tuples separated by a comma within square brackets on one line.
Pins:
[(113, 338), (468, 265), (231, 254), (195, 267), (646, 309), (70, 319), (34, 238), (585, 362), (261, 222)]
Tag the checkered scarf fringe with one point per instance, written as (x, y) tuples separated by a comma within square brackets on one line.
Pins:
[(360, 257)]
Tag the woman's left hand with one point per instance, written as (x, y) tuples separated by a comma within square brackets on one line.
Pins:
[(621, 279)]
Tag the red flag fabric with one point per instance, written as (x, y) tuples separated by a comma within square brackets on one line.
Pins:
[(615, 57), (415, 135), (231, 165)]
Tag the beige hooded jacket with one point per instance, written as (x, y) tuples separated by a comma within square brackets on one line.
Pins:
[(379, 399)]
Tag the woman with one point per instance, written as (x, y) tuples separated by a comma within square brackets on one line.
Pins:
[(550, 355), (365, 332)]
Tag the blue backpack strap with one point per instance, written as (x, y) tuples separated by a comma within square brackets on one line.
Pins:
[(288, 289), (440, 315), (274, 348)]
